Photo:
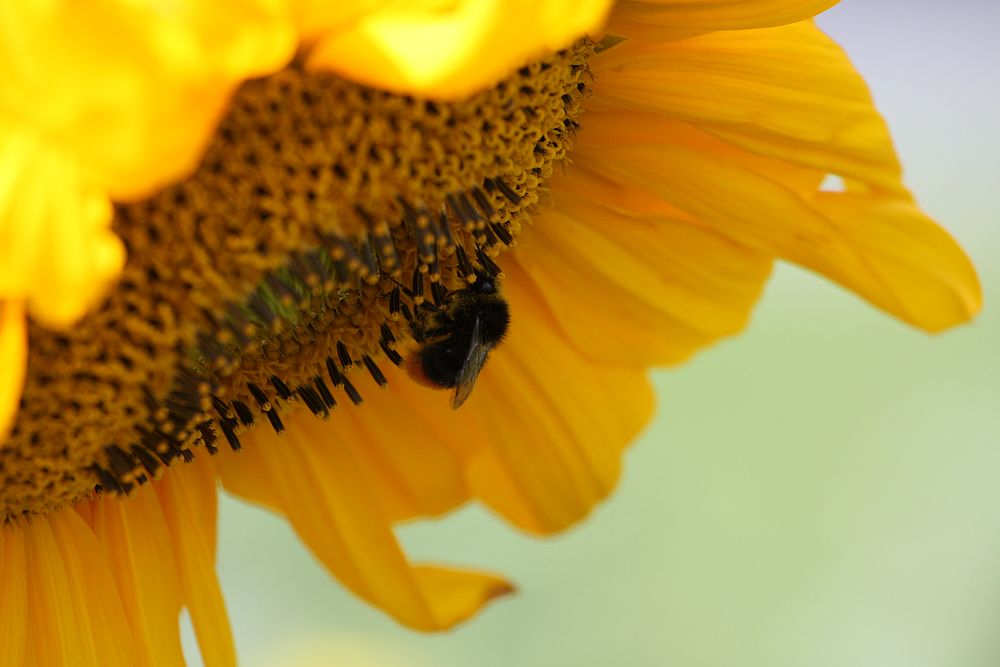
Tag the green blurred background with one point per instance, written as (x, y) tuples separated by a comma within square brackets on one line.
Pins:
[(822, 491)]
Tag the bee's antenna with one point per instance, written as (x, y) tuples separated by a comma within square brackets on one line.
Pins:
[(412, 321), (439, 292), (406, 290)]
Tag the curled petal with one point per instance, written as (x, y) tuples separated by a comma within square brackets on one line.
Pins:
[(933, 287), (329, 494), (738, 139)]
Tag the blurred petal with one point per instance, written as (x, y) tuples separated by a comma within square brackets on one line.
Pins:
[(552, 425), (327, 491), (56, 247), (188, 499), (447, 49), (316, 18), (670, 19), (104, 99), (133, 90), (13, 357)]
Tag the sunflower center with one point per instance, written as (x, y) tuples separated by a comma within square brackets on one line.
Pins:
[(276, 271)]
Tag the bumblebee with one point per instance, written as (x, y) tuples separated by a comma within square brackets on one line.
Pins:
[(455, 338)]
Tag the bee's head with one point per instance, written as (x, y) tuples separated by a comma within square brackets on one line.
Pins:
[(485, 284)]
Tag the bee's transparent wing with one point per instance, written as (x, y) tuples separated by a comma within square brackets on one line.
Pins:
[(475, 359)]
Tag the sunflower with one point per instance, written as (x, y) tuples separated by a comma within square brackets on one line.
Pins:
[(223, 229)]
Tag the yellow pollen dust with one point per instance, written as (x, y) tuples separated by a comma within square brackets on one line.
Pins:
[(278, 270)]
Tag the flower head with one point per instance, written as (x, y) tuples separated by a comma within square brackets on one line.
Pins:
[(228, 227)]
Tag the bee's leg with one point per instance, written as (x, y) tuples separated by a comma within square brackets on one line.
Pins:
[(387, 341), (399, 286), (442, 326), (410, 319)]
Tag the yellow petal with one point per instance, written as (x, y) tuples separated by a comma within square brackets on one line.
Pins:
[(238, 39), (13, 596), (13, 357), (137, 542), (670, 19), (448, 49), (133, 90), (75, 617), (935, 289), (56, 248), (409, 466), (636, 289), (788, 93), (407, 460), (316, 18), (327, 492), (187, 495), (940, 282), (107, 98), (552, 425), (622, 127)]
